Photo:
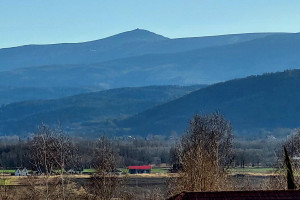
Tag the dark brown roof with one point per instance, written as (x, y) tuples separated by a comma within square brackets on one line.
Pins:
[(239, 195)]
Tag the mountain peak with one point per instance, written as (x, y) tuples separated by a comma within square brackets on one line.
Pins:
[(139, 34)]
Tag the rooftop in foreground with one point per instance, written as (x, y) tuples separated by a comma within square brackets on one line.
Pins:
[(239, 195)]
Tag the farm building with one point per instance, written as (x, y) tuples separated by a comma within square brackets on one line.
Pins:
[(139, 169), (21, 172), (239, 195)]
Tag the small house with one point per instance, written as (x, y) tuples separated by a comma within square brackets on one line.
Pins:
[(75, 171), (139, 169), (21, 172), (71, 171)]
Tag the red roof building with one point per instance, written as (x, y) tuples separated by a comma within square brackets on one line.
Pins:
[(139, 169), (239, 195)]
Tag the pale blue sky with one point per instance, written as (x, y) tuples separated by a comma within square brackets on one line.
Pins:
[(55, 21)]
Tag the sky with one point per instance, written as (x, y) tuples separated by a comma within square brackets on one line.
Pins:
[(25, 22)]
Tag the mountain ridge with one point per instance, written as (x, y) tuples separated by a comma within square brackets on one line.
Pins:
[(126, 44), (267, 101), (201, 66), (73, 111)]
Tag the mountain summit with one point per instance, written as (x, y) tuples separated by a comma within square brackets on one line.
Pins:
[(130, 43), (138, 34)]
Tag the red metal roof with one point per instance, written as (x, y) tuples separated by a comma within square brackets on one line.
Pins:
[(139, 167), (239, 195)]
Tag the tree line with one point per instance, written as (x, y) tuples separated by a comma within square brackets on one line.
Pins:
[(201, 157), (17, 153)]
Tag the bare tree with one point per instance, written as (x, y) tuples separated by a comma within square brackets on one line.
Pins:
[(3, 187), (292, 148), (204, 154), (50, 152), (292, 145), (104, 182)]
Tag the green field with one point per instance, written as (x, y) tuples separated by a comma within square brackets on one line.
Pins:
[(262, 170), (159, 170), (154, 170), (124, 170), (7, 171), (88, 170)]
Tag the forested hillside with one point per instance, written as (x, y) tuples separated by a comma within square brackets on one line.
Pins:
[(258, 102), (88, 111)]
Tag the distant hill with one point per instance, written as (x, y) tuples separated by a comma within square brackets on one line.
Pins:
[(17, 94), (258, 102), (86, 110), (201, 66), (127, 44)]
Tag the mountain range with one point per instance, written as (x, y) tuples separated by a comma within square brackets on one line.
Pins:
[(127, 44), (209, 63), (130, 59), (124, 84)]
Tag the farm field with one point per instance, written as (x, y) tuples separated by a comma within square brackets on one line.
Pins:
[(246, 170), (142, 184), (252, 171), (6, 171), (157, 176)]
